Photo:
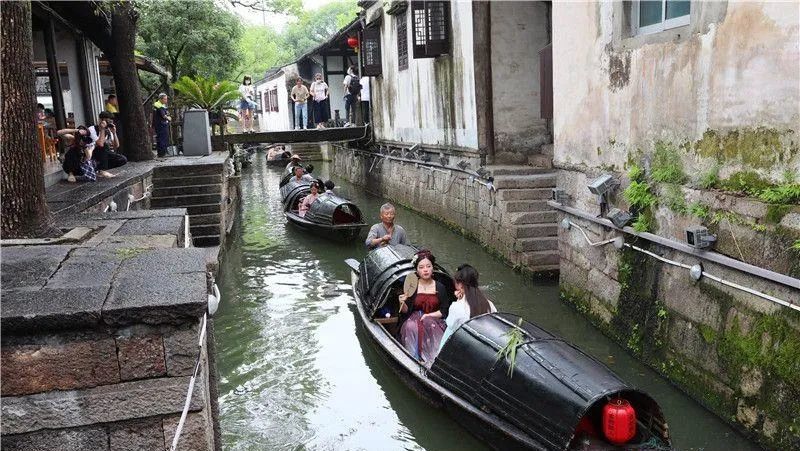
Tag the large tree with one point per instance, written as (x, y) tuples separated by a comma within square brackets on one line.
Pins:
[(261, 49), (111, 25), (190, 37), (316, 26), (24, 211)]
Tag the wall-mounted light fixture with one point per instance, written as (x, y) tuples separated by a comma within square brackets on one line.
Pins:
[(602, 186), (618, 217), (699, 237)]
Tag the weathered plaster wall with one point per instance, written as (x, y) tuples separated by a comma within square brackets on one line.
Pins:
[(519, 31), (66, 52), (433, 101), (723, 90)]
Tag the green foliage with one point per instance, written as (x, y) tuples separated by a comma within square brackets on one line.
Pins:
[(206, 93), (642, 223), (746, 182), (699, 210), (674, 199), (636, 173), (789, 176), (667, 166), (516, 337), (190, 37), (710, 178), (638, 195), (261, 48), (782, 194), (796, 245), (314, 27)]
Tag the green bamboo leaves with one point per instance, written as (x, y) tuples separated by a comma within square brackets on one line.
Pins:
[(516, 336)]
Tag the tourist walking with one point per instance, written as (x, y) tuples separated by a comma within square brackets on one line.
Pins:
[(161, 122), (300, 96), (319, 91), (246, 104)]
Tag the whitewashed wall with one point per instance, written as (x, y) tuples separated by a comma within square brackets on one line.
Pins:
[(280, 120), (433, 101)]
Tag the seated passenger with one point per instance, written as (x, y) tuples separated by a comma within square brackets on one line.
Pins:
[(470, 301), (298, 173), (386, 232), (305, 204), (329, 187), (425, 310)]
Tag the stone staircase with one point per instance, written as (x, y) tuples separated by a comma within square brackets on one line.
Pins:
[(522, 195), (199, 190), (307, 151)]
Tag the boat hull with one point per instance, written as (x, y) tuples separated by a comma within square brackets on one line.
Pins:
[(341, 232), (492, 430)]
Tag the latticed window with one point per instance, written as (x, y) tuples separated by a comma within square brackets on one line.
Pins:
[(371, 46), (430, 28), (402, 40)]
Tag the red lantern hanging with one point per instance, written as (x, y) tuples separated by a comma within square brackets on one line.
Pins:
[(352, 41), (619, 421)]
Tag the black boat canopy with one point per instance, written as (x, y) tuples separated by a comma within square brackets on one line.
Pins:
[(381, 269), (294, 190), (330, 209), (553, 385)]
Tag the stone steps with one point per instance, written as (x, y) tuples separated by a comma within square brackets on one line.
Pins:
[(194, 210), (535, 244), (541, 260), (524, 194), (533, 217), (503, 169), (183, 201), (205, 241), (204, 229), (186, 190), (187, 171), (516, 206), (535, 230), (202, 219), (168, 182), (543, 180)]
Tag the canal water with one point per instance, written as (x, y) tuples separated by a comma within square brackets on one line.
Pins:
[(297, 372)]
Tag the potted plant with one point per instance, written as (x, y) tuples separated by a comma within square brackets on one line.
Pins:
[(208, 94)]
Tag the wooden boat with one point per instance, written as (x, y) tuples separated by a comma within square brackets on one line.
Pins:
[(555, 398), (330, 216)]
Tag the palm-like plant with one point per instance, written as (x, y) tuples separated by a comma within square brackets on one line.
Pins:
[(206, 93)]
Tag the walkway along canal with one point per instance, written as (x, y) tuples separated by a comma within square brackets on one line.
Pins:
[(296, 372)]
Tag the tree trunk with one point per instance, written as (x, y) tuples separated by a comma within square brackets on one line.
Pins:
[(135, 134), (24, 206)]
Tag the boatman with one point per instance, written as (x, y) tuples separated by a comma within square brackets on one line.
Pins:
[(295, 162), (386, 231)]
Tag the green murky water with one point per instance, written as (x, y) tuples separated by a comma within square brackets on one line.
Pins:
[(296, 371)]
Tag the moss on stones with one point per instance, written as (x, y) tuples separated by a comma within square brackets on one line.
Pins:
[(759, 147), (667, 166)]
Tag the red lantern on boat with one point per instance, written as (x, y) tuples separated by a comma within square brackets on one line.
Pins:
[(619, 421), (352, 41)]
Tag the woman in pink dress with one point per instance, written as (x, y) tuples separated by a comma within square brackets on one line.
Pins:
[(426, 311), (308, 200)]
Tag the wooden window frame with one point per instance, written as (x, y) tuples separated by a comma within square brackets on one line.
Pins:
[(430, 28), (371, 52)]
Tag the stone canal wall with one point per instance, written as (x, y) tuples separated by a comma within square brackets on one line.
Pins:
[(513, 220), (100, 336)]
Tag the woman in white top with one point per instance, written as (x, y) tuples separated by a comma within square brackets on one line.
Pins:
[(319, 91), (470, 301), (246, 104)]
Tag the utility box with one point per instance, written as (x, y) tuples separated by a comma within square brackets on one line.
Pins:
[(196, 133)]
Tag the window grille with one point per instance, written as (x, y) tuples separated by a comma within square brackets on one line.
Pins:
[(652, 16), (430, 28), (402, 40), (371, 47)]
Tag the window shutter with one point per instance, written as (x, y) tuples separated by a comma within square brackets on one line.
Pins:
[(430, 28), (401, 24), (371, 47)]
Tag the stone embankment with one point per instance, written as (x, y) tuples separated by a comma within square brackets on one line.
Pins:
[(511, 218)]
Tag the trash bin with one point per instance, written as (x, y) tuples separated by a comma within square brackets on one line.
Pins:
[(196, 133)]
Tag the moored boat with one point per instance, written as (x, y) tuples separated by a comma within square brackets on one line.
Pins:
[(555, 397), (330, 216)]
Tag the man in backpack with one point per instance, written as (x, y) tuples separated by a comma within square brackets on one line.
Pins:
[(352, 88)]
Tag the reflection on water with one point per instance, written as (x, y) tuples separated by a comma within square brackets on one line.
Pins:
[(298, 373)]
